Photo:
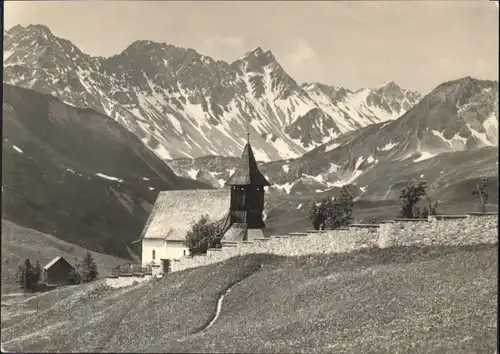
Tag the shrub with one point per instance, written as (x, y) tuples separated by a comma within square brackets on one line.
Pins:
[(409, 197), (332, 213), (481, 194), (88, 268), (203, 235)]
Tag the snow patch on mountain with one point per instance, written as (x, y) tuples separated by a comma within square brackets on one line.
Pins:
[(102, 175), (424, 155), (481, 137), (192, 173), (286, 187), (17, 149), (349, 180), (371, 159), (389, 146), (359, 161), (331, 147), (456, 143), (333, 168), (491, 127), (164, 153)]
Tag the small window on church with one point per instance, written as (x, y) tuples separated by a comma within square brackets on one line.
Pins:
[(184, 253), (154, 254)]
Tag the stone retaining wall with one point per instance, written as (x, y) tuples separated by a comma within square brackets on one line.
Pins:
[(444, 230)]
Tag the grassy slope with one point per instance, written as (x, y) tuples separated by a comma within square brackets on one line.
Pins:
[(384, 301), (19, 243)]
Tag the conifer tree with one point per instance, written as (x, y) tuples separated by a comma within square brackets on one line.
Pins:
[(481, 194), (88, 269), (38, 272), (27, 276)]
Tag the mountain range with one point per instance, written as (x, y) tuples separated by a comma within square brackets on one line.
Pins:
[(453, 127), (183, 104)]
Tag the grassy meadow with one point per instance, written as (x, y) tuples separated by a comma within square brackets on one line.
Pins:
[(395, 300)]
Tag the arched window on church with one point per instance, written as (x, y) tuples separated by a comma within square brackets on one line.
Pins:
[(154, 254)]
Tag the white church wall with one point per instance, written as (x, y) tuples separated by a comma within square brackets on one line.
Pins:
[(162, 250), (176, 250)]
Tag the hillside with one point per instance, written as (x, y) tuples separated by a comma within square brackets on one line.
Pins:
[(421, 300), (20, 243), (77, 174), (185, 104)]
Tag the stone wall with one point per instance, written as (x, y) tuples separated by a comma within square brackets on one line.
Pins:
[(444, 230)]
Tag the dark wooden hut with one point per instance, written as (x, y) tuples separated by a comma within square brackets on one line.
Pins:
[(57, 271)]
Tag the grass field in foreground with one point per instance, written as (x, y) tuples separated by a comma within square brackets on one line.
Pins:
[(19, 243), (398, 300)]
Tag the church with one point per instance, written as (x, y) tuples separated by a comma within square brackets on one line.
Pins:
[(240, 204)]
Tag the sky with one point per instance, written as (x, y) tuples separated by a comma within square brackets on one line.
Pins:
[(354, 44)]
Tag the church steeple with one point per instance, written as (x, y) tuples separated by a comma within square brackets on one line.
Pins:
[(247, 192), (248, 172)]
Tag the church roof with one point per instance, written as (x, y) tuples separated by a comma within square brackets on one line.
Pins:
[(175, 212), (248, 172)]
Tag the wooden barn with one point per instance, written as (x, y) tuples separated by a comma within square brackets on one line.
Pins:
[(57, 271)]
